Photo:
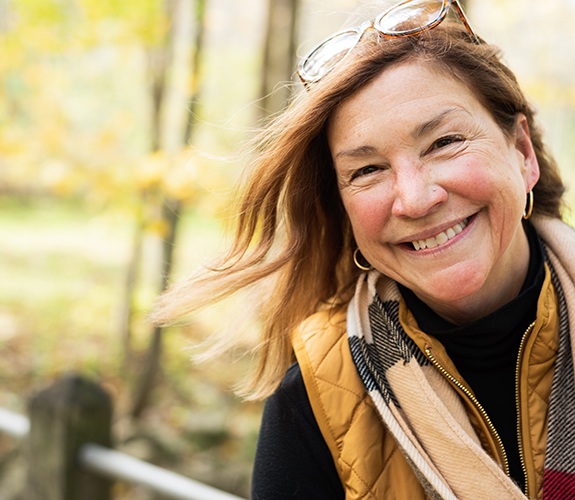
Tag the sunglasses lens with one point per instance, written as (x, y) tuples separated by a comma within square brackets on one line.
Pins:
[(411, 17), (326, 56)]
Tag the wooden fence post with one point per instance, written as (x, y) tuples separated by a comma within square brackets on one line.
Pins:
[(63, 417)]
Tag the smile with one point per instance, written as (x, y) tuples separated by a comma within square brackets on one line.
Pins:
[(441, 238)]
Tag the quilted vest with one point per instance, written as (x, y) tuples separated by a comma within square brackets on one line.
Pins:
[(368, 461)]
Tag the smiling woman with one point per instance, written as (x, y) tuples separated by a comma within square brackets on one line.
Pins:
[(436, 203), (417, 337)]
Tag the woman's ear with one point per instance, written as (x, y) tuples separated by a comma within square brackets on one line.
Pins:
[(524, 146)]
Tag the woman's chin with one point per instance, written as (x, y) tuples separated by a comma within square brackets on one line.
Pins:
[(457, 296)]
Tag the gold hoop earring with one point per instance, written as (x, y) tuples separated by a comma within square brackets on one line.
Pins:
[(357, 263), (529, 207)]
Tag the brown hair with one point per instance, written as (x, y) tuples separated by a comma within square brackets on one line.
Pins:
[(291, 225)]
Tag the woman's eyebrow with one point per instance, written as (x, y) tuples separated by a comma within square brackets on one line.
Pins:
[(357, 152), (436, 121)]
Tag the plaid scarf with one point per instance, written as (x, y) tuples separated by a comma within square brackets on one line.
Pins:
[(427, 417)]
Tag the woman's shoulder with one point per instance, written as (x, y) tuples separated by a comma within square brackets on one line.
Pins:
[(333, 319), (315, 337)]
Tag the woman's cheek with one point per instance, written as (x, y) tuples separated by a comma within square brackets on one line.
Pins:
[(368, 215)]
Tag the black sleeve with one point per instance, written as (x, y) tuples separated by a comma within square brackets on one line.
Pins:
[(292, 459)]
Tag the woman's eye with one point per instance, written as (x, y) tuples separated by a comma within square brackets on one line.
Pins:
[(445, 141), (364, 171)]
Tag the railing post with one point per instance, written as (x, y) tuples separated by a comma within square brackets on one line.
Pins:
[(72, 412)]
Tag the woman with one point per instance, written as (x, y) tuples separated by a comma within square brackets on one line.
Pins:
[(410, 218)]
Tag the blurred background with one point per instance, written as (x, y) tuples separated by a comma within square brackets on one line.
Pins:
[(121, 127)]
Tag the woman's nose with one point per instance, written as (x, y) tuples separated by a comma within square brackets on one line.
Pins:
[(415, 195)]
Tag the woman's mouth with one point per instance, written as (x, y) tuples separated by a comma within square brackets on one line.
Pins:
[(441, 238)]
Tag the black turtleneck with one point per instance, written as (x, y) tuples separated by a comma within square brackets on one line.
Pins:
[(485, 352)]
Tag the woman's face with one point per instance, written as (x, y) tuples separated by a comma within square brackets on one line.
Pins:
[(434, 190)]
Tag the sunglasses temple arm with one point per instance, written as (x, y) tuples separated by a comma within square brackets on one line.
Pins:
[(464, 20)]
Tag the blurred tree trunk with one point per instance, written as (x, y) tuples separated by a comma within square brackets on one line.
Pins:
[(159, 60), (279, 53), (128, 306), (176, 134)]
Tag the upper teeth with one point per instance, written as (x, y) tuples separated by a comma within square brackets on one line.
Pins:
[(441, 238)]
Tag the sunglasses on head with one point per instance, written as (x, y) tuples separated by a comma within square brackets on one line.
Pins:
[(406, 18)]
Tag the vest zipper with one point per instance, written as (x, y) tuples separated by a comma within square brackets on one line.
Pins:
[(518, 407), (476, 403)]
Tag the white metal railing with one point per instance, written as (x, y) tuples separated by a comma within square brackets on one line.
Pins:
[(120, 466), (14, 424), (117, 465)]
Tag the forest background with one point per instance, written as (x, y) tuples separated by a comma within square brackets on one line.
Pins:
[(120, 127)]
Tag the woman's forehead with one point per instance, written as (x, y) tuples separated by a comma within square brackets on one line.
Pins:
[(413, 92)]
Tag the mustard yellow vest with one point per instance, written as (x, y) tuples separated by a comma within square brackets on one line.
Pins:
[(369, 463)]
